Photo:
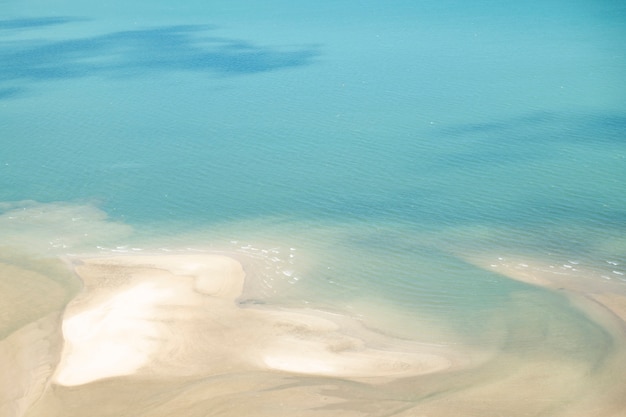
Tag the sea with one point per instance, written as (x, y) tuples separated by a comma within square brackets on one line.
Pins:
[(381, 159)]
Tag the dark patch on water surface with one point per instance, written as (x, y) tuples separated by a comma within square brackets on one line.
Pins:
[(35, 22), (9, 92), (136, 53)]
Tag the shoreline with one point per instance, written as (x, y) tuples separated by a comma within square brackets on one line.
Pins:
[(155, 323), (601, 301), (131, 305), (574, 280)]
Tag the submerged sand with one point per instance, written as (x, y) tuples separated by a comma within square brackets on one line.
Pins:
[(177, 315), (168, 334), (147, 319)]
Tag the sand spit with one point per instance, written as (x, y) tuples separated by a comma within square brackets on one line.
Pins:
[(601, 299), (601, 296)]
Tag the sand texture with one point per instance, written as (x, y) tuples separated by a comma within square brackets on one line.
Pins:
[(167, 335), (150, 324)]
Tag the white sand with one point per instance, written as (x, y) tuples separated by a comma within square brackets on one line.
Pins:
[(114, 337), (177, 315)]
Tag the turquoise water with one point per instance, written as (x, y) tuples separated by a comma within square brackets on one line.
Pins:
[(369, 147)]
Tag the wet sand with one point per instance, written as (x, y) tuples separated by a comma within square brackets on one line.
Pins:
[(600, 297), (167, 334), (178, 315), (144, 320)]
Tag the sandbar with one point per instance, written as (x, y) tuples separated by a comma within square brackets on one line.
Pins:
[(602, 300), (178, 315), (170, 334)]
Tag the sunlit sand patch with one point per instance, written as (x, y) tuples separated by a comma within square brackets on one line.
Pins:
[(177, 315), (118, 332), (310, 344)]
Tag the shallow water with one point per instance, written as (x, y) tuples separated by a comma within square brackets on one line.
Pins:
[(357, 157)]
